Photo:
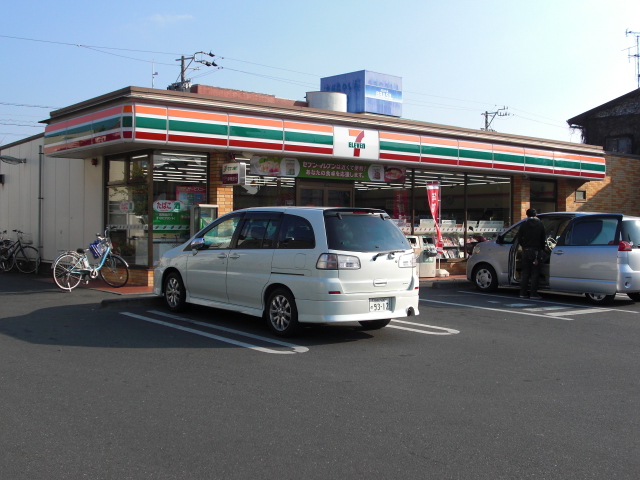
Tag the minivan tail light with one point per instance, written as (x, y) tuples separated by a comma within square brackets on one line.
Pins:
[(407, 260), (624, 246), (332, 261)]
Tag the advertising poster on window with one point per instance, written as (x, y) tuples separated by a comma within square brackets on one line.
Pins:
[(175, 214), (326, 170), (401, 206), (433, 196)]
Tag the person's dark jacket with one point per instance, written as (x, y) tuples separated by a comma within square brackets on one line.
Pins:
[(531, 234)]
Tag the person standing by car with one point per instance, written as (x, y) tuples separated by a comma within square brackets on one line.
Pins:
[(531, 238)]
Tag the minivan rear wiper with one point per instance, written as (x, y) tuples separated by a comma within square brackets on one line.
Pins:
[(390, 253)]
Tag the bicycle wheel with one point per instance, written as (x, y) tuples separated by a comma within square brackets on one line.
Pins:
[(115, 271), (27, 259), (64, 273), (6, 261)]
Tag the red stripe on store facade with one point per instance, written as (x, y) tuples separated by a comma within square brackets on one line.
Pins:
[(259, 145), (301, 148), (395, 156), (197, 140)]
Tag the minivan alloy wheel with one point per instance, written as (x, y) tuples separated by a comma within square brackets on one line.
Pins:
[(282, 313), (174, 292)]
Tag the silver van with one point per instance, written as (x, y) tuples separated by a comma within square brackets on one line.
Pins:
[(596, 254), (295, 265)]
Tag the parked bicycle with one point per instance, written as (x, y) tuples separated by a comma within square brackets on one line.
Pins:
[(18, 253), (70, 268)]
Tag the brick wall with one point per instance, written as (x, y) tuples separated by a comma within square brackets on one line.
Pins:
[(140, 277), (619, 192), (248, 96), (520, 198), (219, 194)]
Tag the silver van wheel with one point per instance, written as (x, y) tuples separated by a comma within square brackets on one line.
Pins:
[(484, 276), (599, 298), (174, 292), (282, 314)]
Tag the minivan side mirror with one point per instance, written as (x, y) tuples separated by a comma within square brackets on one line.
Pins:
[(197, 244), (499, 239)]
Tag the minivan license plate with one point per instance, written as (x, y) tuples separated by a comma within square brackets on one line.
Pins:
[(379, 304)]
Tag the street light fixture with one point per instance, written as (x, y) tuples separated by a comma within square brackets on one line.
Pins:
[(12, 160)]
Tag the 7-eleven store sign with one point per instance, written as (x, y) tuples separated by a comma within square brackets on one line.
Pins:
[(356, 143)]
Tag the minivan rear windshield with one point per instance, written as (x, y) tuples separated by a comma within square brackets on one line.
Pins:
[(363, 233), (631, 232)]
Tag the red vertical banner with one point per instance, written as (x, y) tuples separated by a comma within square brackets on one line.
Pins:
[(433, 196)]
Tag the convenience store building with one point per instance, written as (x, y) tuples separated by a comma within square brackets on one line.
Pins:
[(139, 158)]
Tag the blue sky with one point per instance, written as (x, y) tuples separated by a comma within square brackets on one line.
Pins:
[(546, 60)]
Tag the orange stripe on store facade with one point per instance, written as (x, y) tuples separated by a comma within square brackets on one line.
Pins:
[(477, 146), (538, 153), (565, 156), (501, 148), (398, 136), (255, 121), (214, 117), (592, 159), (309, 127), (151, 110), (438, 141)]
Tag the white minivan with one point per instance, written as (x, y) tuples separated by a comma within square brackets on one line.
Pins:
[(295, 265)]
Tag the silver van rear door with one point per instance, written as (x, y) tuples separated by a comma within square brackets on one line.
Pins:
[(585, 259)]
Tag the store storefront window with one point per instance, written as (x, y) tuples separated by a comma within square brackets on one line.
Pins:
[(267, 191), (179, 183), (128, 206), (139, 203), (543, 195)]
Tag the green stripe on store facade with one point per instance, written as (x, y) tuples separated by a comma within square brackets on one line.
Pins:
[(594, 167), (400, 147), (476, 154), (197, 127), (546, 162), (308, 138), (507, 158), (151, 123), (439, 151), (258, 133)]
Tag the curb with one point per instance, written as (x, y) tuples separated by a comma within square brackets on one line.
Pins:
[(138, 301), (453, 283)]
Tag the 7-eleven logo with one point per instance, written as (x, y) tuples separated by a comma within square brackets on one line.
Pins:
[(356, 144)]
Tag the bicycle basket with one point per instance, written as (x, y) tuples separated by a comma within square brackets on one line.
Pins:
[(26, 238), (97, 249)]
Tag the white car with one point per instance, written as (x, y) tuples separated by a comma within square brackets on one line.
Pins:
[(295, 265), (595, 254)]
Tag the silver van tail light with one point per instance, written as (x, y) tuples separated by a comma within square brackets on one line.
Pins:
[(407, 260), (332, 261), (625, 246)]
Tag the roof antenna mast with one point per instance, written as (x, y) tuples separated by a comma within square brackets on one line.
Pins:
[(637, 54)]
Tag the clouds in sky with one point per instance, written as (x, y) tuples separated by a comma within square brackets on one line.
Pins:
[(164, 19)]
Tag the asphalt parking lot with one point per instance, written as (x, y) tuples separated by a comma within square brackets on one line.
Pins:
[(476, 386)]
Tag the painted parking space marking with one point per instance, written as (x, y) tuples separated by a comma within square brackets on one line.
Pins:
[(580, 312), (516, 312), (538, 302), (294, 348), (445, 331)]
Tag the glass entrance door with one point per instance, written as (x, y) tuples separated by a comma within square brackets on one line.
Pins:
[(324, 194)]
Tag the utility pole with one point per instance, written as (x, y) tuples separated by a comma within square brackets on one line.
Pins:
[(153, 72), (489, 116), (185, 83), (637, 54)]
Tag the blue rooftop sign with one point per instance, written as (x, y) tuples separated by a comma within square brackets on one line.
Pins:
[(368, 92)]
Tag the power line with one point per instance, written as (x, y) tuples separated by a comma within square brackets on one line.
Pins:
[(27, 105), (88, 46)]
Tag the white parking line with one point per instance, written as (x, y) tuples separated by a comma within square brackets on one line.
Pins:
[(447, 331), (516, 312), (580, 312), (543, 301), (296, 348)]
